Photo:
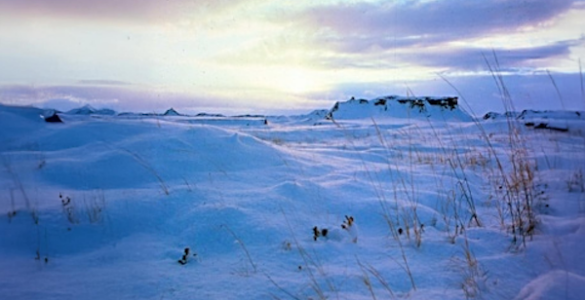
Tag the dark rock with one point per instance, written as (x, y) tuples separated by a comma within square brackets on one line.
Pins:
[(54, 118), (448, 102), (380, 102), (541, 126), (550, 127)]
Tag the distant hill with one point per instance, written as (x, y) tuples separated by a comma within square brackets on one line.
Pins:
[(171, 112), (89, 110), (399, 107)]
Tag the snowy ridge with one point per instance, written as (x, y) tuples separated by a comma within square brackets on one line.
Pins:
[(89, 110), (537, 114), (438, 108), (551, 114), (551, 120)]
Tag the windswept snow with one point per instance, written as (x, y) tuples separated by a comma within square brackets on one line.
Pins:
[(104, 207)]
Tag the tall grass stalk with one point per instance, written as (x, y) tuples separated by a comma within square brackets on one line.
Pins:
[(386, 212), (149, 167), (519, 181), (582, 83), (241, 243), (370, 270), (309, 262)]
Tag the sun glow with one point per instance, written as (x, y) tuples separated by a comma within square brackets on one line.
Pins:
[(297, 81)]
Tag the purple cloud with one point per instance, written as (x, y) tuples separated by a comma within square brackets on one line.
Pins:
[(361, 26), (134, 98), (452, 59), (473, 59), (390, 35), (103, 82), (113, 96)]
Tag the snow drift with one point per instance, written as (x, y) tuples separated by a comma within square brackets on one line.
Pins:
[(103, 207)]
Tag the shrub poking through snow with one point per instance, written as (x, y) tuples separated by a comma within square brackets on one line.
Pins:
[(347, 223), (69, 209), (185, 258), (576, 182), (348, 226), (12, 212), (319, 232)]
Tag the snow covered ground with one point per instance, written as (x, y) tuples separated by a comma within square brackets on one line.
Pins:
[(102, 206)]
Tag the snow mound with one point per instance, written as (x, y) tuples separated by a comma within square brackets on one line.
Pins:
[(554, 285), (131, 158), (20, 121), (313, 118), (399, 107)]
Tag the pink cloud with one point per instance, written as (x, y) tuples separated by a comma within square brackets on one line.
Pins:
[(125, 10)]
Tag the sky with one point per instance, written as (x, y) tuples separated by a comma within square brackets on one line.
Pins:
[(289, 56)]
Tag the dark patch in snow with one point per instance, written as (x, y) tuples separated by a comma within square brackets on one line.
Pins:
[(415, 104), (491, 115), (551, 127), (495, 115), (529, 114), (209, 115), (449, 102), (54, 118), (249, 116)]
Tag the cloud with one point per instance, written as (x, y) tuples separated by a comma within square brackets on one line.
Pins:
[(452, 59), (473, 59), (359, 27), (125, 10), (436, 35), (103, 82)]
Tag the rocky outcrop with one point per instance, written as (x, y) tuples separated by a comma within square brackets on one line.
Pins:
[(398, 107), (171, 112)]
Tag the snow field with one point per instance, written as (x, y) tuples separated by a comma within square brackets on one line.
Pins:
[(244, 197)]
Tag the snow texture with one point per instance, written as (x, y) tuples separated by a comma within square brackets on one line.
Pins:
[(103, 206)]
